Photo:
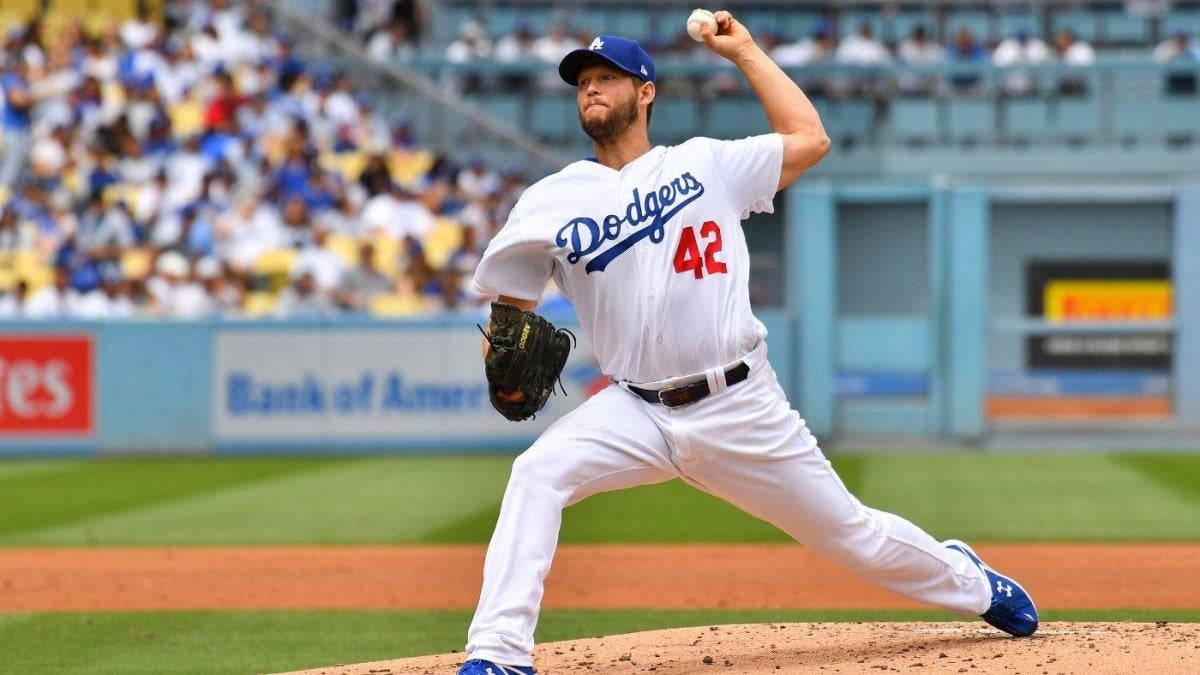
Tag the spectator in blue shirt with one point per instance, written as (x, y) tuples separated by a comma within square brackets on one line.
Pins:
[(18, 104), (966, 50)]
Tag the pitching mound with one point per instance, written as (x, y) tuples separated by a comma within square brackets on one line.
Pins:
[(854, 648)]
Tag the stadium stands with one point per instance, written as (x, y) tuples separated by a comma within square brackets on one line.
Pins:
[(179, 160)]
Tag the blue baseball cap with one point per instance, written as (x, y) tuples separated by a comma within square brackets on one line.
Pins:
[(623, 53)]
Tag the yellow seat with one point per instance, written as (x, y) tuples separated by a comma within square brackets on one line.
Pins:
[(117, 192), (348, 165), (187, 118), (408, 166), (275, 262), (258, 303), (117, 10), (345, 247), (387, 255), (35, 273), (136, 263), (396, 305), (442, 241), (76, 8)]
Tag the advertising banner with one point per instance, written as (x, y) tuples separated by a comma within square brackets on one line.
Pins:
[(46, 385), (1096, 291), (383, 384)]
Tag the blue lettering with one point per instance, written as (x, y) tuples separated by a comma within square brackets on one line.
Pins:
[(244, 396), (650, 214)]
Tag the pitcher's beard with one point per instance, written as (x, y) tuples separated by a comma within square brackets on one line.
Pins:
[(614, 125)]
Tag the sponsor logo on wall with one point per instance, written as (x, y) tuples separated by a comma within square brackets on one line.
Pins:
[(45, 385), (377, 384), (1098, 291)]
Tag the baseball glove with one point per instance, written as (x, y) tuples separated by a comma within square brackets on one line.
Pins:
[(527, 355)]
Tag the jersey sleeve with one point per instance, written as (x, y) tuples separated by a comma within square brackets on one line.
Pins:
[(514, 264), (749, 169)]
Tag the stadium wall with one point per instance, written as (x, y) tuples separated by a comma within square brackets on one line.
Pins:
[(343, 386), (921, 310)]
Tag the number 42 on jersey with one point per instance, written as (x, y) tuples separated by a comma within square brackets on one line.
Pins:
[(687, 256)]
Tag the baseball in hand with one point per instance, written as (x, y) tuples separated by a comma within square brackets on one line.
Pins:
[(698, 17)]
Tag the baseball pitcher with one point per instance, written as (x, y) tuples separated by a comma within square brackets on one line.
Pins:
[(647, 243)]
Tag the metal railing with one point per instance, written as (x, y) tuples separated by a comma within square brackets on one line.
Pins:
[(442, 118)]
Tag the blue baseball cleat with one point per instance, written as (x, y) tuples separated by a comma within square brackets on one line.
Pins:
[(1012, 609), (481, 667)]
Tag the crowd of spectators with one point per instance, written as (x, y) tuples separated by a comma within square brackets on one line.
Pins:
[(190, 165), (860, 47)]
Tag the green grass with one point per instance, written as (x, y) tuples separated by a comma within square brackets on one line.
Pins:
[(247, 642), (381, 500)]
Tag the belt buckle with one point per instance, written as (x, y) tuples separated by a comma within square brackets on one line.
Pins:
[(662, 402)]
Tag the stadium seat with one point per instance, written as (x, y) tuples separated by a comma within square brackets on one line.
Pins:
[(1082, 23), (1180, 117), (793, 25), (592, 20), (1186, 19), (507, 108), (1025, 119), (1013, 21), (258, 303), (850, 121), (447, 21), (902, 25), (761, 21), (1077, 119), (396, 305), (731, 118), (276, 262), (676, 118), (970, 120), (501, 21), (849, 22), (1131, 120), (137, 263), (348, 165), (28, 265), (442, 241), (913, 120), (631, 23), (666, 27), (553, 117), (407, 165), (978, 22), (1124, 29), (187, 117), (345, 247), (387, 255)]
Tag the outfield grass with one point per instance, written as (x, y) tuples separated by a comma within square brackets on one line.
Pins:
[(381, 500), (249, 642)]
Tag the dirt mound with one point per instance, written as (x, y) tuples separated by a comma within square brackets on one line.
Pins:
[(854, 648)]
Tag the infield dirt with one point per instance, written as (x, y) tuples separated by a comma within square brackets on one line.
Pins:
[(853, 648), (768, 576)]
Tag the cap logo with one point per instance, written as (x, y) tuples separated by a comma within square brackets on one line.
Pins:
[(644, 73), (596, 44)]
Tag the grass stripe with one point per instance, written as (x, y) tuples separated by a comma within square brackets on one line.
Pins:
[(42, 499), (349, 501), (455, 499), (1180, 474), (1030, 497), (244, 642)]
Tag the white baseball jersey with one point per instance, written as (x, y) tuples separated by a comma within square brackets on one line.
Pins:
[(652, 256)]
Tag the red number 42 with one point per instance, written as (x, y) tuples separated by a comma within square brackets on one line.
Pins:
[(687, 256)]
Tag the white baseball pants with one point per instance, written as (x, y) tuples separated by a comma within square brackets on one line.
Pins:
[(743, 444)]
